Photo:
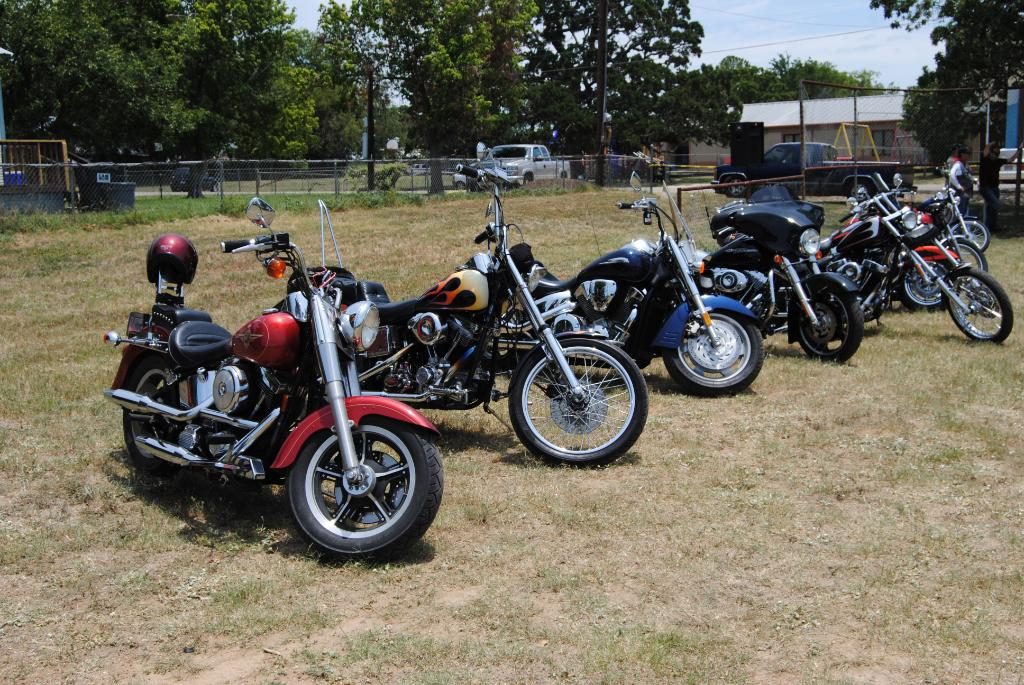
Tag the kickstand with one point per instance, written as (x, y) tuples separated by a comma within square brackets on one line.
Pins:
[(488, 410)]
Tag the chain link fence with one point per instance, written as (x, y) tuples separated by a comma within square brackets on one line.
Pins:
[(28, 186), (915, 130)]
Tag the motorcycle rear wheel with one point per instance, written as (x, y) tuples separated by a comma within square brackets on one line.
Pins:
[(396, 511), (592, 430), (992, 318), (703, 371), (149, 377), (840, 327)]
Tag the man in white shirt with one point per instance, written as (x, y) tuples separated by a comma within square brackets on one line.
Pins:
[(960, 178)]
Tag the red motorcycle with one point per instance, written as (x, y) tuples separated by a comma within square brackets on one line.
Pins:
[(279, 400)]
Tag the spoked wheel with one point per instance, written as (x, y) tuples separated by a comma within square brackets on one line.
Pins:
[(970, 254), (707, 370), (975, 232), (592, 428), (840, 327), (917, 293), (989, 315), (150, 377), (394, 503)]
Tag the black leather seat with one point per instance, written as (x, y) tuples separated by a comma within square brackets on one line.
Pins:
[(550, 284), (195, 343), (396, 312), (375, 292), (170, 316)]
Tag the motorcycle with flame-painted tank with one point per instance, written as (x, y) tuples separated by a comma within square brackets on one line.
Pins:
[(573, 399), (279, 400)]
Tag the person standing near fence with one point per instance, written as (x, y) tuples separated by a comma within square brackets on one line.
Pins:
[(988, 182), (960, 178)]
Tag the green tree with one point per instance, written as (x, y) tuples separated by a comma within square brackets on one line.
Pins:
[(99, 73), (649, 43), (448, 59)]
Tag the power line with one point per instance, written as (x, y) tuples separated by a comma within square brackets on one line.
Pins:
[(754, 16), (794, 40)]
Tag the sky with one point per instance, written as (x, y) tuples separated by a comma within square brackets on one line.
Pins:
[(896, 55)]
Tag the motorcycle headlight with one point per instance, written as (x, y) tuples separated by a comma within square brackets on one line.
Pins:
[(360, 323), (809, 241), (537, 272), (909, 219)]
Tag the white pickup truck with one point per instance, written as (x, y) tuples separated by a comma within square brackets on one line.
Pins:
[(527, 163)]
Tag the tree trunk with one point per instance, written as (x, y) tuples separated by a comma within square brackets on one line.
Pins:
[(436, 172)]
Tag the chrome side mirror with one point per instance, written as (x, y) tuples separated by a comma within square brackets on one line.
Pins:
[(852, 201), (490, 209), (897, 180), (634, 182), (260, 212), (481, 150)]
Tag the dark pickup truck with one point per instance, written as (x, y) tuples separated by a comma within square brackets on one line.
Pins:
[(826, 173)]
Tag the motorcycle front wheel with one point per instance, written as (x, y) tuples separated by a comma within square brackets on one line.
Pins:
[(382, 516), (975, 232), (840, 328), (970, 254), (593, 428), (705, 370), (989, 316)]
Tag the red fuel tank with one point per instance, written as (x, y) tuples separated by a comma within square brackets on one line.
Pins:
[(271, 340)]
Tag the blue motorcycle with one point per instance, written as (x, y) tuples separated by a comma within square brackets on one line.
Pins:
[(643, 297)]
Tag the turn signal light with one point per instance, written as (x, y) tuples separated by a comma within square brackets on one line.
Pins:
[(276, 268), (818, 255), (701, 267), (778, 259)]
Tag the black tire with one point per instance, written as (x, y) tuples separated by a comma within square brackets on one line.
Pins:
[(460, 185), (538, 382), (694, 366), (412, 511), (970, 253), (528, 177), (977, 234), (980, 288), (840, 330), (734, 192), (149, 377)]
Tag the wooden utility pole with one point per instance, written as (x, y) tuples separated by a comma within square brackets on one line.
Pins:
[(371, 144), (602, 84)]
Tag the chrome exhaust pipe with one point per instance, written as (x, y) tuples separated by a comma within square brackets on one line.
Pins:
[(240, 465), (140, 404)]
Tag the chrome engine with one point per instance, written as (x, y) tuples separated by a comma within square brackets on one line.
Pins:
[(845, 267), (230, 388), (729, 281)]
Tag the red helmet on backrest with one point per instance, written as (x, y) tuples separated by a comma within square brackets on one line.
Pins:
[(174, 256)]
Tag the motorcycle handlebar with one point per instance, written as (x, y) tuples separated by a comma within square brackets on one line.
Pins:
[(484, 234), (624, 205), (468, 172), (232, 245), (277, 239)]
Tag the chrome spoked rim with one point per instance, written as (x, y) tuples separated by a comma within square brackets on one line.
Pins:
[(579, 427), (713, 366), (984, 318), (149, 385), (921, 292), (370, 514)]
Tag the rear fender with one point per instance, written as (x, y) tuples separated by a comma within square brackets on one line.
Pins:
[(132, 353), (358, 409), (671, 333)]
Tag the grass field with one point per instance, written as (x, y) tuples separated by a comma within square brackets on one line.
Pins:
[(835, 524)]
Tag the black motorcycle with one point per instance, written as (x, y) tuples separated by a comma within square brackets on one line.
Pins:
[(767, 262), (644, 298), (889, 240)]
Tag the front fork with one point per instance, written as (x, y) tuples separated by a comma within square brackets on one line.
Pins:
[(552, 348), (798, 288), (932, 277), (683, 269), (326, 333)]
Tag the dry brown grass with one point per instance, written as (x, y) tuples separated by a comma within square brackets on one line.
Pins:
[(857, 523)]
